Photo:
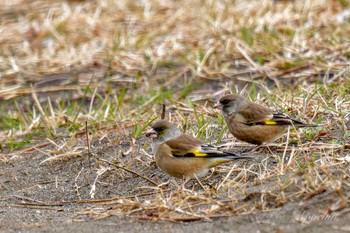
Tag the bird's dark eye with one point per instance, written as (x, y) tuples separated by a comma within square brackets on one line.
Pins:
[(160, 129), (224, 102)]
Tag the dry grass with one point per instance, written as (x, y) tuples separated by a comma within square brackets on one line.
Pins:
[(113, 63)]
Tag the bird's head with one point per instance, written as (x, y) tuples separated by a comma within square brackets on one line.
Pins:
[(231, 103), (163, 130)]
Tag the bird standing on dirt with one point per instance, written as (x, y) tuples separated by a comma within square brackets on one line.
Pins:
[(254, 123), (184, 156)]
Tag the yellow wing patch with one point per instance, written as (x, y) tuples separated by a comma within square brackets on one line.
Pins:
[(199, 153), (269, 122)]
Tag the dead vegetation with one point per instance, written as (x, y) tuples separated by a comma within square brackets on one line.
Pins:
[(113, 64)]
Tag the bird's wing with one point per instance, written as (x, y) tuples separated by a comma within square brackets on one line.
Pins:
[(282, 119), (183, 145), (187, 146), (254, 114), (214, 152), (272, 119)]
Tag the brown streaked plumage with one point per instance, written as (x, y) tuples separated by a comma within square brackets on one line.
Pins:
[(254, 123), (184, 156)]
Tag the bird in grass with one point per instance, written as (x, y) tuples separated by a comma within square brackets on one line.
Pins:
[(184, 156), (253, 123)]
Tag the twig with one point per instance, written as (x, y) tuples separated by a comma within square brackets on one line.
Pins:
[(30, 226), (118, 198), (128, 170), (33, 202), (36, 207), (37, 104), (162, 115), (200, 183), (76, 183), (28, 199), (226, 177), (38, 204), (31, 149), (320, 190), (292, 69), (285, 152), (88, 143), (195, 218)]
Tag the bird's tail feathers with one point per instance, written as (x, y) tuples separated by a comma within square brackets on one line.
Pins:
[(302, 125), (212, 151), (281, 119), (236, 157)]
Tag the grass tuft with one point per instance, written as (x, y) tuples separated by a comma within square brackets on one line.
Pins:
[(113, 64)]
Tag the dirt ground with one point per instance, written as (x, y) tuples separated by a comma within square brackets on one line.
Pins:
[(115, 63), (54, 196)]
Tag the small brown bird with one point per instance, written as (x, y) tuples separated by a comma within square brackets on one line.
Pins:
[(184, 156), (253, 123)]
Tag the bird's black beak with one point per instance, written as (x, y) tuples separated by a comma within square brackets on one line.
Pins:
[(218, 106), (151, 133)]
